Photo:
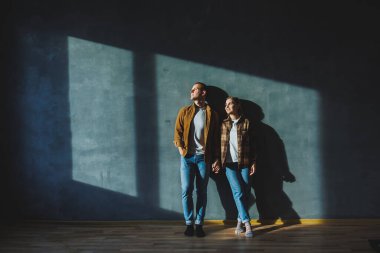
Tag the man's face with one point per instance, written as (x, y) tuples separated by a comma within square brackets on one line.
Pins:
[(197, 92), (231, 107)]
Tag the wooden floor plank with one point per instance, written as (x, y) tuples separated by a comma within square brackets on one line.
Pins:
[(332, 236)]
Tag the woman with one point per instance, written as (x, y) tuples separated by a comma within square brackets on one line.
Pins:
[(238, 159)]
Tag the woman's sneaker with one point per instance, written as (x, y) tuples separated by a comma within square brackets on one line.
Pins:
[(238, 229)]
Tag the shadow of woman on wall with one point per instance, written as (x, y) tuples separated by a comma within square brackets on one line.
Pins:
[(271, 171)]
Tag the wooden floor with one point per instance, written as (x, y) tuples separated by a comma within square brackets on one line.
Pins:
[(311, 236)]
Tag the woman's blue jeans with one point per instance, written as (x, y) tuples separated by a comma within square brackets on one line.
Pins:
[(194, 167), (239, 182)]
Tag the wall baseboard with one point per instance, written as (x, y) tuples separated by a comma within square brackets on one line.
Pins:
[(213, 222)]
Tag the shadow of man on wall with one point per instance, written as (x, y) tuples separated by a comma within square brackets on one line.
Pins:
[(216, 98), (272, 170)]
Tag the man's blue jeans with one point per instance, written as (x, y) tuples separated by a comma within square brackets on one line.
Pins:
[(239, 182), (194, 167)]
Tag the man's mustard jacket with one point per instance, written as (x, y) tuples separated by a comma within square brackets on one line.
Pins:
[(211, 132)]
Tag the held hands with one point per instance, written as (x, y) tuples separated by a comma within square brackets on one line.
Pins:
[(216, 167)]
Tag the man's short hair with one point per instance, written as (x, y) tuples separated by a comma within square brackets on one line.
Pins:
[(203, 86)]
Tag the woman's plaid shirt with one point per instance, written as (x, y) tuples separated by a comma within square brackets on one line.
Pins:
[(246, 150)]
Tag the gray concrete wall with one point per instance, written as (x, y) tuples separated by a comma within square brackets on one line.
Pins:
[(93, 91)]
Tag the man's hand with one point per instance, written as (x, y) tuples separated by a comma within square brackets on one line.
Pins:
[(181, 151), (216, 167), (252, 169)]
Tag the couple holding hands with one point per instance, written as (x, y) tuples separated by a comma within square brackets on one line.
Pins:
[(203, 143)]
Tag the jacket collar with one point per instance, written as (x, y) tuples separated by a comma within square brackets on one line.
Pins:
[(207, 107), (228, 119)]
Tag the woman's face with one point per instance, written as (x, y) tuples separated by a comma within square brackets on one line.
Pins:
[(231, 107)]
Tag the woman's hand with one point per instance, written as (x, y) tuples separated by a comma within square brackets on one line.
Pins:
[(252, 169)]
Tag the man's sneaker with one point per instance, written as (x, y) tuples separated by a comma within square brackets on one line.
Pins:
[(189, 230), (199, 231)]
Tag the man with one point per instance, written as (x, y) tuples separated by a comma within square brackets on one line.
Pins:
[(197, 140)]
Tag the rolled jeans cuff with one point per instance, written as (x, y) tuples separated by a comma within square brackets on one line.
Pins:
[(198, 222), (243, 221)]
